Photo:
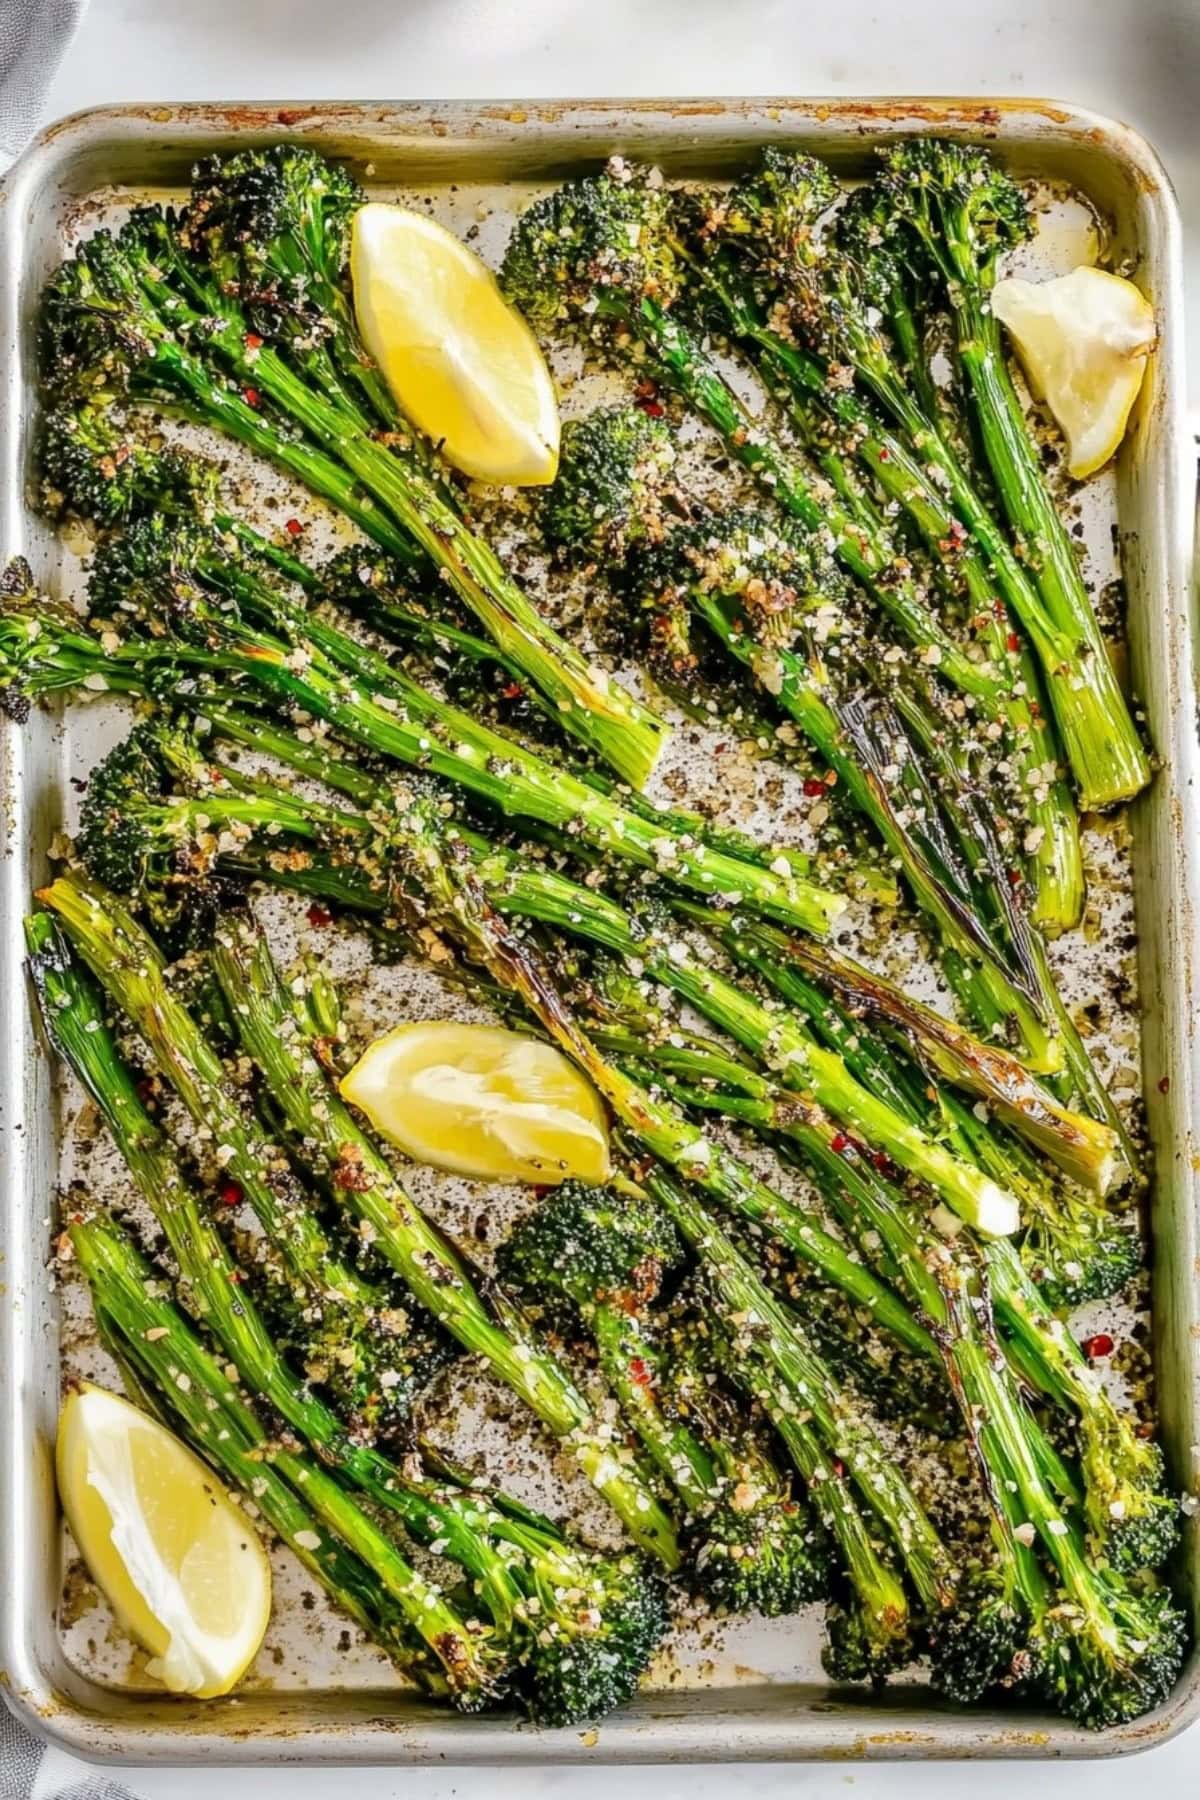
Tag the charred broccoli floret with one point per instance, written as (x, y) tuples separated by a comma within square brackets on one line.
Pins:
[(608, 494), (604, 1255), (98, 468), (595, 245)]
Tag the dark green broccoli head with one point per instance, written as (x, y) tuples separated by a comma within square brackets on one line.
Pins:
[(364, 572), (596, 1625), (866, 245), (962, 207), (277, 220), (608, 494), (776, 206), (864, 1643), (99, 329), (96, 468), (1112, 1659), (982, 1643), (151, 841), (759, 1552), (594, 1246), (598, 245), (1075, 1253), (766, 576), (149, 571), (127, 837), (671, 656), (1133, 1520), (1147, 1531)]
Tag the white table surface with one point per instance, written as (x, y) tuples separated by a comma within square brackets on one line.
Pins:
[(1136, 59)]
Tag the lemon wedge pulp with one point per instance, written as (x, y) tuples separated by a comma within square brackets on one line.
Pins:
[(1083, 340), (184, 1570), (481, 1101), (464, 367)]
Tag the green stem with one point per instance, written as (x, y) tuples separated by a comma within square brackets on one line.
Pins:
[(1098, 732), (593, 707), (361, 1180), (677, 1452), (805, 1386), (212, 1281), (199, 1391)]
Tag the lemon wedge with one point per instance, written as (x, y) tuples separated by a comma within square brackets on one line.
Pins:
[(1083, 340), (481, 1101), (181, 1565), (464, 367)]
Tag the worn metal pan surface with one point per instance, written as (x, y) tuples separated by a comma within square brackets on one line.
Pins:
[(762, 1697)]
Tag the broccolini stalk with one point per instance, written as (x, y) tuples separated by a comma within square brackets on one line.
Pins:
[(146, 298), (719, 567), (288, 1488), (1082, 1148), (603, 1257), (817, 1423), (1127, 1511), (357, 1319), (447, 896), (361, 1180), (574, 1657), (765, 224), (985, 1070), (43, 651), (954, 205), (602, 252)]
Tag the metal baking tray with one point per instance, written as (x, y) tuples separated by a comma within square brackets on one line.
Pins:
[(728, 1710)]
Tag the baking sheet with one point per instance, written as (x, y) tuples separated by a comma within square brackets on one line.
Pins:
[(750, 1689)]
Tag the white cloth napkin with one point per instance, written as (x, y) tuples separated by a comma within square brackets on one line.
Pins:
[(33, 36)]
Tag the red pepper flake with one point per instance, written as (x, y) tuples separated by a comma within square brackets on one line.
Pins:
[(252, 341), (646, 396), (294, 528), (882, 1161), (1100, 1345), (1014, 878), (251, 396), (839, 1142), (1013, 642), (1164, 1084), (885, 454), (839, 1467), (813, 786), (512, 690), (319, 915), (231, 1194), (638, 1371), (237, 1277)]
